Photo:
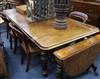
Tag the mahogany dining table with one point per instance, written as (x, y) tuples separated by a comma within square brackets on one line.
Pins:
[(46, 37)]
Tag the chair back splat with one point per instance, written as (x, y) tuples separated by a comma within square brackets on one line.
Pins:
[(19, 35)]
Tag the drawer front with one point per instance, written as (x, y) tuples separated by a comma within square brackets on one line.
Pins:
[(93, 19), (93, 9), (86, 7), (76, 7)]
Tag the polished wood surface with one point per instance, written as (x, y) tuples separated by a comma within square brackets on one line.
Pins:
[(76, 48), (75, 59), (45, 35), (21, 9)]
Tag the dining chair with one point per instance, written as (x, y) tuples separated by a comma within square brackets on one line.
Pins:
[(28, 48), (13, 38), (80, 16), (10, 35)]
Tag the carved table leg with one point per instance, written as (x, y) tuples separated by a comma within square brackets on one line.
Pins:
[(44, 64), (59, 72)]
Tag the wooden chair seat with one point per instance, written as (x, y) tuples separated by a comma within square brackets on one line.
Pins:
[(78, 57), (32, 49)]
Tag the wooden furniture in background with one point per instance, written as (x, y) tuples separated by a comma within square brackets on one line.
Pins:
[(16, 2), (21, 9), (3, 68), (92, 9), (77, 58), (46, 37)]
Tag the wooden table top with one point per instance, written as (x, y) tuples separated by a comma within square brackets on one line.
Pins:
[(72, 50), (45, 35)]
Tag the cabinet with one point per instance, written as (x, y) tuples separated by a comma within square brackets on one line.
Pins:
[(92, 9), (3, 69)]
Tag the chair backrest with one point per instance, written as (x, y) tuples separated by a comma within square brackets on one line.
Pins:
[(19, 35), (79, 16), (4, 17)]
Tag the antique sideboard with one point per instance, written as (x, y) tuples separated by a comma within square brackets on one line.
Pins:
[(92, 9)]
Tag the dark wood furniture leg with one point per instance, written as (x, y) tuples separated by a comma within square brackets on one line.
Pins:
[(44, 64), (7, 30), (22, 57), (59, 72), (15, 45), (10, 42), (28, 63), (94, 68)]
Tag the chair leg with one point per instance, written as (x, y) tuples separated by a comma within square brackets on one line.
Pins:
[(15, 45), (22, 57), (7, 34), (7, 30), (28, 63), (10, 42)]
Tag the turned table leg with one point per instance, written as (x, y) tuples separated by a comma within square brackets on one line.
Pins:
[(44, 64), (59, 72)]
